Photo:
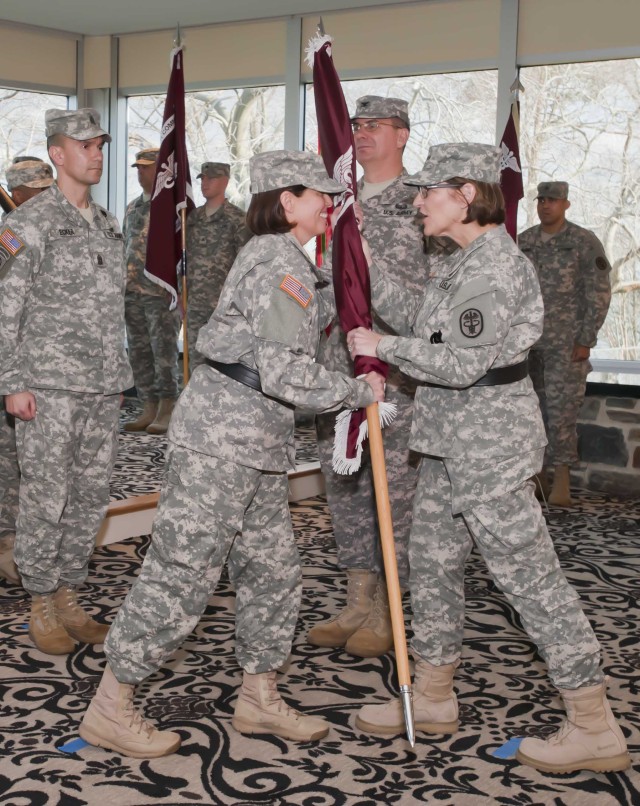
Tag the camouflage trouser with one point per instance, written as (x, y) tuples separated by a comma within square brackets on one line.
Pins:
[(560, 384), (351, 499), (512, 537), (212, 511), (66, 455), (152, 338), (9, 479), (196, 318)]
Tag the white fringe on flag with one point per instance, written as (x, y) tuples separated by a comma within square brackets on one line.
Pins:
[(315, 43), (341, 463)]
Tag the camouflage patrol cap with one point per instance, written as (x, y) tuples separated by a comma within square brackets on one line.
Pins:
[(477, 161), (147, 156), (281, 169), (32, 173), (213, 170), (375, 106), (553, 190), (78, 124)]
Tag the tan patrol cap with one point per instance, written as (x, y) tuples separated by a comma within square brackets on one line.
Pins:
[(375, 106), (147, 156), (281, 169), (78, 124), (213, 170), (553, 190), (32, 173)]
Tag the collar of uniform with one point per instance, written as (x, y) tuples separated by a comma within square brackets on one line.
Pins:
[(293, 240), (389, 194), (70, 211), (462, 255)]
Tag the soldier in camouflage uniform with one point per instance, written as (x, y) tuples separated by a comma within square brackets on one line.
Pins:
[(363, 627), (62, 368), (26, 178), (573, 271), (152, 329), (231, 441), (215, 234), (478, 426)]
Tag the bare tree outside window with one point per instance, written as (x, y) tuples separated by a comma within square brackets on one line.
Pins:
[(22, 124), (222, 126), (581, 123)]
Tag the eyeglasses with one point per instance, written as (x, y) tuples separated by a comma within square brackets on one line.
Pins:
[(372, 126), (426, 188)]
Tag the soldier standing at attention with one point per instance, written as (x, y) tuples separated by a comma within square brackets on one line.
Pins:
[(478, 428), (381, 130), (62, 368), (152, 329), (26, 178), (224, 496), (573, 271), (215, 234)]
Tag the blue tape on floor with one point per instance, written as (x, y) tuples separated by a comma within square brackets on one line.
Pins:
[(24, 626), (509, 749), (73, 746)]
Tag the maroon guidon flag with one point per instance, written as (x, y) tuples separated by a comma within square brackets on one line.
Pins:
[(349, 265), (511, 172), (172, 191)]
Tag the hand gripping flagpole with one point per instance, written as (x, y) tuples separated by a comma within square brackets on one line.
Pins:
[(351, 285)]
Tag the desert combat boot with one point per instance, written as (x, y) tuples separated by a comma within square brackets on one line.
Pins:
[(361, 586), (589, 739), (261, 710), (374, 637), (46, 630), (113, 722), (76, 621), (149, 412), (435, 706), (560, 495), (163, 417)]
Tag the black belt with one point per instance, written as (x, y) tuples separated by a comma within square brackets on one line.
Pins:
[(496, 377), (244, 375)]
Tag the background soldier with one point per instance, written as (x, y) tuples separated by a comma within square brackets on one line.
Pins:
[(152, 329), (381, 131), (574, 278), (215, 234), (62, 368), (26, 177)]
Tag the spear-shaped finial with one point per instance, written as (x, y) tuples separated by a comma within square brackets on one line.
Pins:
[(177, 42), (320, 27)]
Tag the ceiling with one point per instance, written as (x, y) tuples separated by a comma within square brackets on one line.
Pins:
[(95, 18)]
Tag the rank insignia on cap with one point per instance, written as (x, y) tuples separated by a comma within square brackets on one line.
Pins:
[(295, 289), (602, 263), (471, 323), (11, 242)]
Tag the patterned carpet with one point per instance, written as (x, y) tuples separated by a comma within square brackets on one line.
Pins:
[(502, 688)]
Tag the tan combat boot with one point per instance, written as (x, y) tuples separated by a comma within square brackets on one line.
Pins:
[(161, 422), (76, 621), (113, 722), (149, 412), (375, 636), (8, 569), (589, 738), (560, 495), (260, 709), (45, 630), (360, 588), (543, 488), (435, 706)]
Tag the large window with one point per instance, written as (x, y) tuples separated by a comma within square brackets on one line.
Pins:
[(22, 124), (450, 107), (222, 126), (581, 123)]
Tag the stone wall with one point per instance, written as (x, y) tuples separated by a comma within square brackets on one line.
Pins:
[(609, 445)]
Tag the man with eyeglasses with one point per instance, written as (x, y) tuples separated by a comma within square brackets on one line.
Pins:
[(573, 271), (381, 129)]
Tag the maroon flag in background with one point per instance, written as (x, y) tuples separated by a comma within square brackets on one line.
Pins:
[(172, 191), (350, 270), (511, 176)]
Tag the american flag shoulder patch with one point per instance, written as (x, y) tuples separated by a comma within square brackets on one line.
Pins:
[(10, 241), (295, 289)]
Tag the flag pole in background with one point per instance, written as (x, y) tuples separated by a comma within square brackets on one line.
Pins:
[(510, 164), (172, 199), (353, 301)]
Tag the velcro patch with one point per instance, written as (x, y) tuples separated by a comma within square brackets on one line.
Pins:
[(11, 242), (295, 289), (471, 323)]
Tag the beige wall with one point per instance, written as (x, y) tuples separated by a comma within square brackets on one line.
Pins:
[(31, 56)]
